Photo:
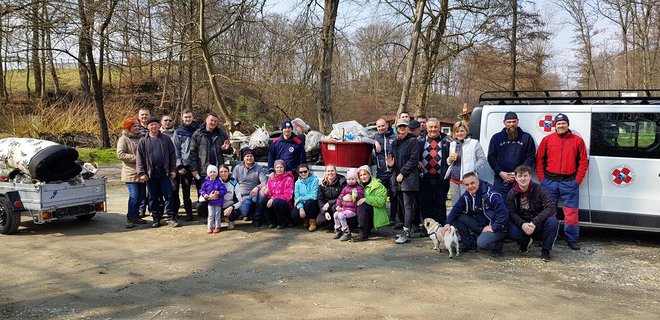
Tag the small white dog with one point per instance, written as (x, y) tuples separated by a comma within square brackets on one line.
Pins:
[(450, 238)]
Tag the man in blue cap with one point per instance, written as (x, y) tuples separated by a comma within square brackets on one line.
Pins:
[(287, 147)]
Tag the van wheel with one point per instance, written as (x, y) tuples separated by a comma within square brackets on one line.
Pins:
[(9, 220), (86, 217)]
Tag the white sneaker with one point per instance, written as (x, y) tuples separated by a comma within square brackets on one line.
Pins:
[(403, 238)]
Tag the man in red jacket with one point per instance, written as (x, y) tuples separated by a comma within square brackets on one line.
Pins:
[(561, 165)]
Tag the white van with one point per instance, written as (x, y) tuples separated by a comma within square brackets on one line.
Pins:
[(621, 130)]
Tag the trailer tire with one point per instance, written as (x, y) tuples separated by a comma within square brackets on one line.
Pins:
[(9, 220), (86, 217)]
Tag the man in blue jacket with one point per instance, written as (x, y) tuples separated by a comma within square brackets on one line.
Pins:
[(480, 211), (507, 150), (287, 147), (182, 138), (382, 148)]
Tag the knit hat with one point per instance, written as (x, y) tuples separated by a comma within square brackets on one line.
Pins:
[(246, 151), (280, 162), (364, 167), (352, 174), (211, 168), (510, 116), (561, 117), (286, 124)]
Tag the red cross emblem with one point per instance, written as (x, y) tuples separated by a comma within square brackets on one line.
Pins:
[(622, 176), (547, 123)]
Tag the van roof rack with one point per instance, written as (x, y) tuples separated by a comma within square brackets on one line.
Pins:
[(606, 96)]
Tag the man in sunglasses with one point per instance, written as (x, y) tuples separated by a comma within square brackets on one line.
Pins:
[(167, 125)]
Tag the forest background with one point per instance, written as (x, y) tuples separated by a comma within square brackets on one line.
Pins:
[(70, 71)]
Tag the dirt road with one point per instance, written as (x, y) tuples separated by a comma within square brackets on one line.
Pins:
[(100, 270)]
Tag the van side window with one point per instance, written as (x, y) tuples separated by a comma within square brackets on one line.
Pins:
[(630, 135)]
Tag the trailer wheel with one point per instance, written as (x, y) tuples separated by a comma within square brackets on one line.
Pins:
[(86, 217), (9, 220)]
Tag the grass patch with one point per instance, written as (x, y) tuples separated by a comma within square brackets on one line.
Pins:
[(100, 156)]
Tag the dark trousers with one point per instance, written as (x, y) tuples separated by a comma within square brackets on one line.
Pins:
[(202, 207), (186, 181), (391, 193), (278, 214), (311, 211), (500, 186), (235, 214), (471, 227), (365, 216), (159, 185), (547, 232), (433, 189), (407, 205)]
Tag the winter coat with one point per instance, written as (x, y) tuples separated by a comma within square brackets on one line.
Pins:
[(487, 202), (144, 162), (182, 138), (350, 205), (248, 178), (375, 194), (291, 151), (281, 187), (168, 132), (329, 193), (231, 197), (505, 155), (306, 189), (472, 157), (406, 160), (385, 140), (541, 205), (126, 152), (562, 158), (205, 143), (214, 185)]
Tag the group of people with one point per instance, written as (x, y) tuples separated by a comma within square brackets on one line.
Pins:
[(417, 166)]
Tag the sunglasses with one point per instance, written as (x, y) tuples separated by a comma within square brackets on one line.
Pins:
[(302, 171), (167, 120)]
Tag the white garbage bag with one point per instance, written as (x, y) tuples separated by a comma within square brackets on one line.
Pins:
[(259, 138), (299, 127), (348, 131), (313, 141)]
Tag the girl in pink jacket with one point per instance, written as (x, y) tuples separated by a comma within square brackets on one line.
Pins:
[(277, 196), (347, 202)]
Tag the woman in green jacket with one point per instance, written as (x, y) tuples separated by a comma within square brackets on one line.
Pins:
[(372, 209)]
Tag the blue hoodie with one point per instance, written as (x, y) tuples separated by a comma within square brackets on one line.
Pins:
[(505, 155), (486, 203), (306, 189)]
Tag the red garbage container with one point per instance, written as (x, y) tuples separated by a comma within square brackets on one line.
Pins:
[(346, 154)]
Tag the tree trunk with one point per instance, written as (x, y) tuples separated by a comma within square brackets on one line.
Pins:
[(51, 65), (514, 42), (210, 68), (324, 102), (3, 83), (412, 56), (36, 40)]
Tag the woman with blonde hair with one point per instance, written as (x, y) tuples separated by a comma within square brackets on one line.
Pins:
[(465, 155), (126, 151), (329, 189)]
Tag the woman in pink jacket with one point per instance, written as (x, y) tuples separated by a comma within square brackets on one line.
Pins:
[(276, 202)]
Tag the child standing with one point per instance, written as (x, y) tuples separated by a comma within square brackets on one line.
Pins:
[(213, 190), (347, 205)]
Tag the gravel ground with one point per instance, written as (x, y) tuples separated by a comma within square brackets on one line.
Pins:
[(100, 270)]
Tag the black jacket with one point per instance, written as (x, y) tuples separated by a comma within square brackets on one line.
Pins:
[(541, 205), (202, 144), (329, 193), (406, 160)]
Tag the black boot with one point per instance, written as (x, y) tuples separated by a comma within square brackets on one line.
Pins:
[(362, 236)]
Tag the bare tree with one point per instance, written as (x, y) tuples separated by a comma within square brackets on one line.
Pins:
[(583, 22), (412, 55), (324, 104)]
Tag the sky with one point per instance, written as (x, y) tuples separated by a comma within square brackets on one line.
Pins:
[(562, 44)]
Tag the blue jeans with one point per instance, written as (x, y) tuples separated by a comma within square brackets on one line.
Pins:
[(249, 203), (470, 226), (547, 232), (136, 194), (159, 185)]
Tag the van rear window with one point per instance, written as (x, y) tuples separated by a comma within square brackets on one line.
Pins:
[(630, 135)]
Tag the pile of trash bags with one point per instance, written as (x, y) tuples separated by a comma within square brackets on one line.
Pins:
[(261, 139)]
